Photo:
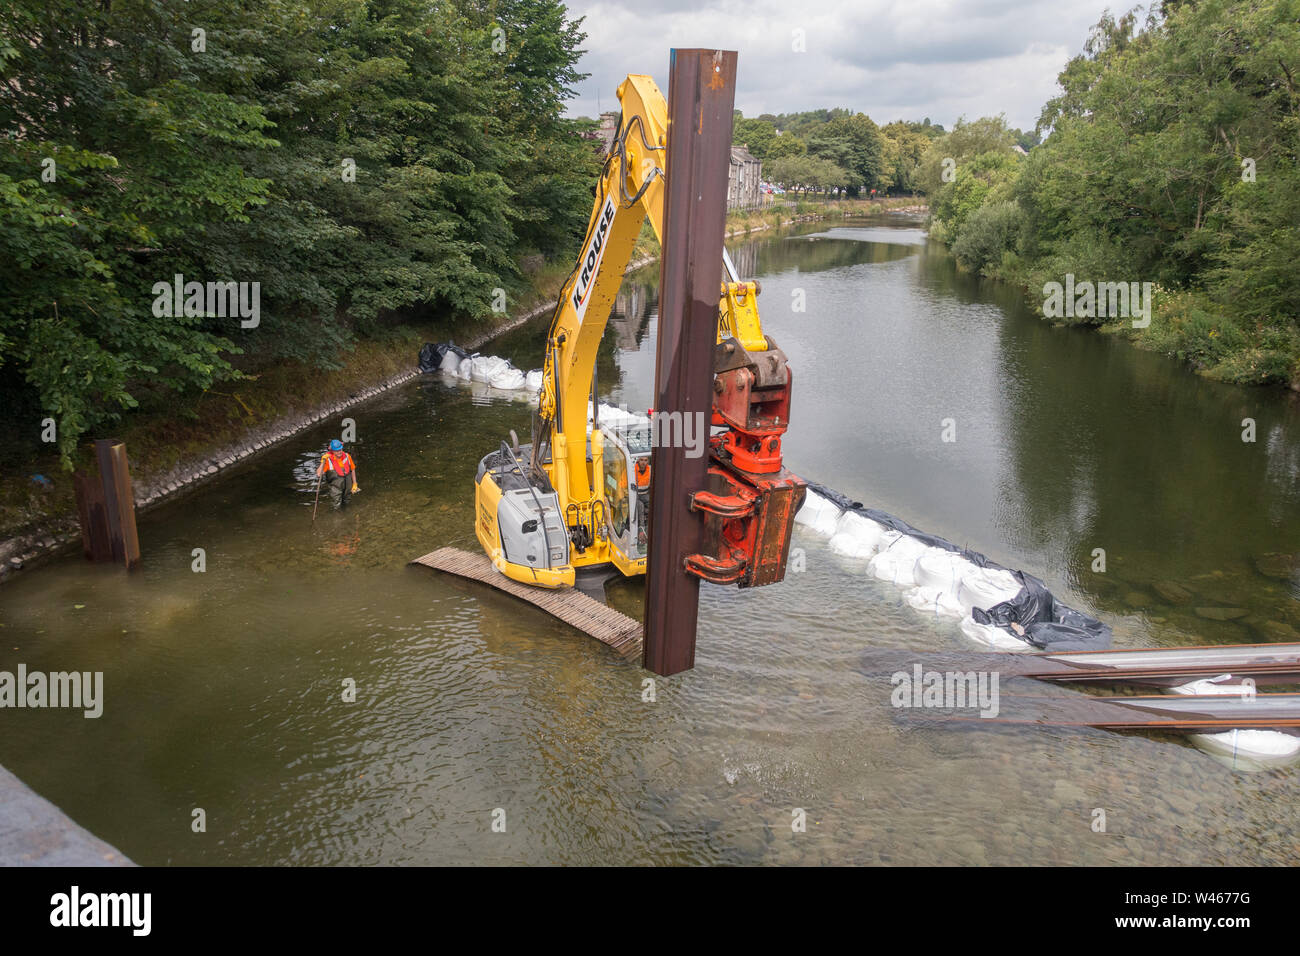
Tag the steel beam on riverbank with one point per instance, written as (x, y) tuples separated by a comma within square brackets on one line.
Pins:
[(106, 507), (701, 95)]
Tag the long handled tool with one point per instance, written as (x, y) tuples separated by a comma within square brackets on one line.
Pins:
[(317, 503)]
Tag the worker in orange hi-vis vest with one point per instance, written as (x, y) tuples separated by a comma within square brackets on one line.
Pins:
[(340, 473)]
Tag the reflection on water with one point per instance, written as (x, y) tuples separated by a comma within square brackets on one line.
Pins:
[(224, 689)]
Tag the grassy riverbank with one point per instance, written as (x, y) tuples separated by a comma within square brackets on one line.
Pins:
[(1188, 325)]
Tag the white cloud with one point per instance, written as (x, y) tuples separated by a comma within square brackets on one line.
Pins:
[(890, 59)]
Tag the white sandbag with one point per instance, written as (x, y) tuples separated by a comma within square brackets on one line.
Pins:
[(935, 600), (450, 362), (463, 370), (856, 536), (887, 538), (818, 514), (618, 419), (1001, 579), (896, 560), (483, 367), (906, 548), (893, 566), (938, 568), (1250, 749), (509, 379), (1221, 686), (533, 380), (947, 606), (989, 635), (984, 588)]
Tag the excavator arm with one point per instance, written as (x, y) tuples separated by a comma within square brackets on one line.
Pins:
[(631, 188)]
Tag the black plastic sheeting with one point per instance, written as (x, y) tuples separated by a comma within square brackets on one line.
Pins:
[(1049, 624), (431, 355)]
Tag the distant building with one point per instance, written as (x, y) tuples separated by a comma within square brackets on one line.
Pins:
[(744, 180), (1018, 150), (603, 135), (744, 175)]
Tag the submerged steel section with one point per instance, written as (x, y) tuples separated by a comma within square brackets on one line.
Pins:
[(701, 95), (1175, 713), (1272, 663)]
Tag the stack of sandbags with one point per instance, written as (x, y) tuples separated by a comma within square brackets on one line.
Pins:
[(896, 563), (933, 579), (491, 371), (818, 514), (859, 537)]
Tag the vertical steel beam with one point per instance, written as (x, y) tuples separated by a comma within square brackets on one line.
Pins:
[(93, 517), (701, 96), (119, 501)]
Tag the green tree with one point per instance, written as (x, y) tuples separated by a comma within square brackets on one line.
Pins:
[(902, 146), (119, 160), (853, 143), (992, 230), (755, 135), (786, 145), (804, 173), (362, 161)]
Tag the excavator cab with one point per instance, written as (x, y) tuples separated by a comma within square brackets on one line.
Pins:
[(626, 465)]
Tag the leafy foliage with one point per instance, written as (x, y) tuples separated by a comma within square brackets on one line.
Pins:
[(864, 156), (993, 230), (1172, 156), (364, 161), (802, 173)]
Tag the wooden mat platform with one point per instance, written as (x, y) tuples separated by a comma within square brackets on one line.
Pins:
[(574, 608)]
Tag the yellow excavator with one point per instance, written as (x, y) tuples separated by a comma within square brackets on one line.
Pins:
[(577, 495)]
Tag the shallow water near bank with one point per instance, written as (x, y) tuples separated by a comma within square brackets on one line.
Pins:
[(224, 689)]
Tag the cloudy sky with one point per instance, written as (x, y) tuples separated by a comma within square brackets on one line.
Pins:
[(890, 59)]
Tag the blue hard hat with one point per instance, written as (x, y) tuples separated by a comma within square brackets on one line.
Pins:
[(336, 445)]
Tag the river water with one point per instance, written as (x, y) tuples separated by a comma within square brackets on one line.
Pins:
[(224, 690)]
